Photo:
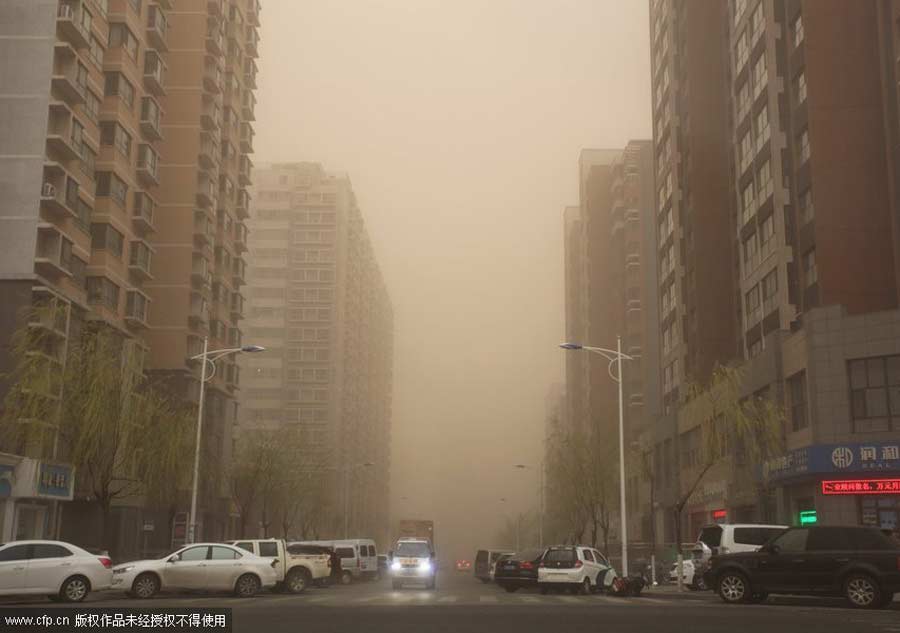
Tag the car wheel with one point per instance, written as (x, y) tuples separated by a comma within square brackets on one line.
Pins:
[(145, 586), (585, 589), (862, 591), (544, 591), (74, 589), (297, 581), (246, 586), (511, 588), (396, 584), (734, 588), (346, 578)]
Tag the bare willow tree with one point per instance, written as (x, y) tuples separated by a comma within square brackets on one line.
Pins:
[(729, 426), (124, 437)]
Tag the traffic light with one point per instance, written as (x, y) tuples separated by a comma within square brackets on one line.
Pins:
[(808, 517)]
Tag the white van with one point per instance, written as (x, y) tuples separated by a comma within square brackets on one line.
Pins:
[(728, 538), (359, 557)]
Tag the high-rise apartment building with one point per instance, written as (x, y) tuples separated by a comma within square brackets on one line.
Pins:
[(199, 218), (318, 303), (803, 98), (79, 134)]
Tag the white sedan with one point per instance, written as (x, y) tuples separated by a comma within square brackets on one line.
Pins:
[(200, 566), (59, 570)]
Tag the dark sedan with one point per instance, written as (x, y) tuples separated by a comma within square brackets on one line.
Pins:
[(859, 563), (518, 570)]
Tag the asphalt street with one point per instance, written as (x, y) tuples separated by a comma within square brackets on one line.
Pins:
[(461, 604)]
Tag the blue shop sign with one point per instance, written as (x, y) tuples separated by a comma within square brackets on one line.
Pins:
[(55, 480), (868, 457)]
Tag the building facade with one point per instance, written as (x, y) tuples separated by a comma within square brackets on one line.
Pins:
[(318, 303)]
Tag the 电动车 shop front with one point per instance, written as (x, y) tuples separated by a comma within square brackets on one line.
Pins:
[(30, 491), (848, 484)]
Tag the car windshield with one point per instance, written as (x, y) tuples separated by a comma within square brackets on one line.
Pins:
[(415, 549), (566, 555)]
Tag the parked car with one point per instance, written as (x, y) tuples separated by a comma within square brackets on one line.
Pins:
[(727, 538), (383, 565), (59, 570), (359, 557), (463, 565), (296, 571), (519, 570), (203, 566), (484, 562), (413, 559), (688, 575), (860, 563), (334, 563), (578, 568)]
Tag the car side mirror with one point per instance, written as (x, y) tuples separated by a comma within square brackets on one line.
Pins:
[(770, 549), (173, 559)]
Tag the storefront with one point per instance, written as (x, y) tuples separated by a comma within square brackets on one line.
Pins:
[(30, 491), (850, 484)]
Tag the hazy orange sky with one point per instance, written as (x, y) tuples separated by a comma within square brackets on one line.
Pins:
[(460, 123)]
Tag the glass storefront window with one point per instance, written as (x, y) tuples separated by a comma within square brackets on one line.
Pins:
[(882, 512), (31, 522)]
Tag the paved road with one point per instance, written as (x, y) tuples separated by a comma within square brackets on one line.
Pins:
[(461, 604)]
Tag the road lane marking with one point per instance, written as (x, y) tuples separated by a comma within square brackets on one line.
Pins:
[(367, 599), (531, 599), (447, 599), (491, 599), (319, 599)]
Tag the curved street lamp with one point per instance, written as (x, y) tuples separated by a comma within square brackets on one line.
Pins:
[(615, 358), (208, 357)]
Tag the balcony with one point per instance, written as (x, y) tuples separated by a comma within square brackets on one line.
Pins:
[(215, 41), (209, 152), (59, 192), (210, 116), (212, 77), (142, 213), (63, 137), (151, 117), (53, 254), (246, 138), (51, 315), (199, 314), (248, 105), (157, 28), (69, 81), (252, 46), (238, 272), (154, 73), (136, 304), (204, 231), (253, 9), (206, 192), (244, 167), (632, 216), (148, 165), (216, 7), (240, 238), (139, 260), (237, 306), (242, 205), (250, 70), (69, 26), (633, 261)]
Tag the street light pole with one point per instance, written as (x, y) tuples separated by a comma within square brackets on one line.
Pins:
[(615, 357), (205, 358)]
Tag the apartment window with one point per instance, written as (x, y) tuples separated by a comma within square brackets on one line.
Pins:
[(797, 30), (764, 182), (83, 221), (135, 5), (800, 87), (875, 393), (96, 52), (752, 305), (751, 254), (804, 146), (102, 291), (760, 73), (106, 238), (796, 388), (739, 7), (807, 211), (767, 235), (809, 267), (763, 131), (742, 50), (118, 85), (770, 291), (120, 36), (91, 107), (111, 133), (88, 160), (748, 202), (87, 19), (747, 150), (111, 186), (758, 21), (743, 99)]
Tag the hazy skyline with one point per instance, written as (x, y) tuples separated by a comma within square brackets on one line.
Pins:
[(459, 124)]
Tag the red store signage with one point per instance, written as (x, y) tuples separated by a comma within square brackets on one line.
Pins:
[(861, 487)]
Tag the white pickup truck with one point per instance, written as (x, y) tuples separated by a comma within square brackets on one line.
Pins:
[(295, 571)]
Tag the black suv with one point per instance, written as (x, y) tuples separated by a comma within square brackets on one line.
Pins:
[(859, 563)]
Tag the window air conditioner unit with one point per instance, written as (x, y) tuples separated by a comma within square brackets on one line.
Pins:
[(48, 190)]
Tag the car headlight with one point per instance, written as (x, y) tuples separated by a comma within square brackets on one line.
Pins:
[(395, 566), (122, 570), (425, 566)]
